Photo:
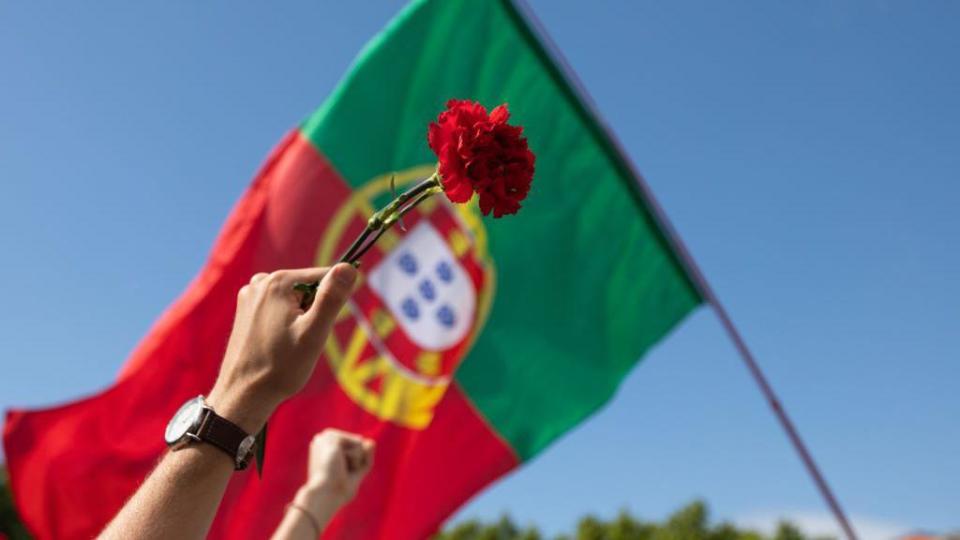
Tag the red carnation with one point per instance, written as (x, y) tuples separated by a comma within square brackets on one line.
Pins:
[(478, 153), (482, 153)]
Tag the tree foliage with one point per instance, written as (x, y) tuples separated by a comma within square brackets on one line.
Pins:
[(688, 523)]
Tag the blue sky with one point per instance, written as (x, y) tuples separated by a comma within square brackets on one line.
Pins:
[(807, 152)]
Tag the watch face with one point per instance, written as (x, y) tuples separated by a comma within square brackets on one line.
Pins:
[(186, 417)]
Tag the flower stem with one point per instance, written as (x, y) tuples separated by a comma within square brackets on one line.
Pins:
[(378, 224)]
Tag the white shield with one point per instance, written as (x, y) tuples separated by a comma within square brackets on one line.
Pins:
[(426, 289)]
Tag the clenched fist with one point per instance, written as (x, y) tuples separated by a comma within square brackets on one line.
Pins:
[(338, 463)]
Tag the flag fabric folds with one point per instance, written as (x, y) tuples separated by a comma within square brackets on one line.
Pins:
[(471, 343)]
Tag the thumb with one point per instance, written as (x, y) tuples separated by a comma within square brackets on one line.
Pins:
[(332, 293)]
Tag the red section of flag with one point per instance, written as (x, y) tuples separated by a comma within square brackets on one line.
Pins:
[(72, 467)]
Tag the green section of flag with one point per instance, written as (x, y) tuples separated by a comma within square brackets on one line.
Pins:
[(586, 283)]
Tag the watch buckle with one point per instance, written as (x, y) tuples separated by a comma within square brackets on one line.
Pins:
[(245, 450)]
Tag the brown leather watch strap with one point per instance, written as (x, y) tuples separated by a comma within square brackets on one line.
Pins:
[(225, 435)]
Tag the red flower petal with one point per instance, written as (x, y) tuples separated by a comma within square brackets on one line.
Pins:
[(481, 153), (500, 114)]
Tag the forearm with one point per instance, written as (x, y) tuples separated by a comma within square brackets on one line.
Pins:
[(272, 352), (306, 516), (178, 500), (180, 497)]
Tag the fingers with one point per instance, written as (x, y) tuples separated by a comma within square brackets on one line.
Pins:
[(356, 450), (261, 280), (282, 281), (245, 290), (363, 456), (342, 439), (285, 279), (335, 287)]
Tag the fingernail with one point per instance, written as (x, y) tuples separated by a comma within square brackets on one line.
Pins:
[(344, 275)]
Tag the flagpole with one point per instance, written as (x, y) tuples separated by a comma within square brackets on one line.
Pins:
[(693, 269)]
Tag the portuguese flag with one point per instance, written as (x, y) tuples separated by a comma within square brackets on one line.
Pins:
[(472, 343)]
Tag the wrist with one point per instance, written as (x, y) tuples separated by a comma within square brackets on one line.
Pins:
[(318, 501), (244, 410)]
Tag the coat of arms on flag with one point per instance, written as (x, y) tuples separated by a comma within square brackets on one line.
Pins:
[(424, 299)]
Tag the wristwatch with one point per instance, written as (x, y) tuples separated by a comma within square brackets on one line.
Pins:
[(197, 422)]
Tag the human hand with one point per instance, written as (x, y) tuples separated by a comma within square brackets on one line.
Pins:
[(274, 345), (338, 463)]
